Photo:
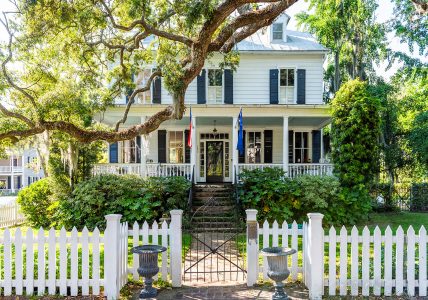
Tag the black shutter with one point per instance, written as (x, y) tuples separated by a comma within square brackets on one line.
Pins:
[(316, 146), (157, 90), (201, 87), (138, 148), (228, 86), (241, 158), (187, 149), (268, 144), (290, 146), (162, 146), (301, 86), (28, 180), (273, 86), (114, 152), (19, 181), (9, 182)]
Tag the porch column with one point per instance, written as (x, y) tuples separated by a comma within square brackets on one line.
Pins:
[(194, 147), (234, 150), (322, 147), (12, 177), (143, 151), (23, 181), (285, 145)]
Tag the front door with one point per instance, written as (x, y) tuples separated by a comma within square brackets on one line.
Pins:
[(214, 154)]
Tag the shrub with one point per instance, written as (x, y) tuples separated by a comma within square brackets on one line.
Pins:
[(419, 199), (135, 198), (36, 203)]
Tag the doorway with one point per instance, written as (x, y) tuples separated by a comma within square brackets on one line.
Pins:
[(214, 155)]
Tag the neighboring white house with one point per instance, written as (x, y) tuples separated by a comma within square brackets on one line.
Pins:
[(279, 86), (19, 169)]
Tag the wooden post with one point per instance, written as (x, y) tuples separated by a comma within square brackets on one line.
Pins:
[(285, 146), (176, 245), (235, 156), (252, 247), (193, 153), (111, 257), (315, 248)]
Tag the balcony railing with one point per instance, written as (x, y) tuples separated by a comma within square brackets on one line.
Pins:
[(152, 170), (294, 170), (8, 169)]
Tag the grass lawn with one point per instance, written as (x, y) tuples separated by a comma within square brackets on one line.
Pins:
[(395, 219)]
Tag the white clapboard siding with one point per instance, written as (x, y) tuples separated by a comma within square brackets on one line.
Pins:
[(52, 252), (289, 238), (380, 265)]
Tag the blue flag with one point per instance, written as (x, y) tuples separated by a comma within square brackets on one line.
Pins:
[(240, 145)]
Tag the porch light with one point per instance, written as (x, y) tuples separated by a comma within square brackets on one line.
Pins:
[(215, 129)]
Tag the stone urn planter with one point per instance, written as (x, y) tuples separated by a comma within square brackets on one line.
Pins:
[(277, 258), (148, 255)]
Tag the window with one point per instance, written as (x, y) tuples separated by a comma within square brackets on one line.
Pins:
[(215, 86), (277, 31), (176, 151), (254, 148), (301, 147), (142, 78), (286, 86), (130, 151)]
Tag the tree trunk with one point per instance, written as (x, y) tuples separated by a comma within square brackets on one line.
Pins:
[(42, 147), (72, 158), (336, 71)]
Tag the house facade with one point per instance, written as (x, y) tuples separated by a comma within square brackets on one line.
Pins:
[(278, 85), (20, 169)]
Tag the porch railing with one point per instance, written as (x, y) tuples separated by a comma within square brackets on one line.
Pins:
[(152, 170), (294, 170), (8, 169)]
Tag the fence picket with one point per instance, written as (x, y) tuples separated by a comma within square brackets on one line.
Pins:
[(73, 263), (354, 261), (275, 234), (164, 266), (294, 245), (388, 262), (51, 262), (41, 277), (264, 245), (63, 262), (135, 243), (332, 262), (366, 262), (399, 253), (145, 233), (377, 255), (410, 261), (7, 263), (422, 262), (29, 272), (284, 234), (96, 261), (155, 236), (343, 264), (85, 262), (18, 262)]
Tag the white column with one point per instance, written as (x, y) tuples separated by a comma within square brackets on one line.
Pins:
[(322, 146), (235, 156), (315, 250), (143, 150), (285, 145), (252, 247), (175, 246), (23, 180), (12, 177), (193, 153), (111, 256)]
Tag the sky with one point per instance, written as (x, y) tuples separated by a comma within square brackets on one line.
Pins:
[(383, 14)]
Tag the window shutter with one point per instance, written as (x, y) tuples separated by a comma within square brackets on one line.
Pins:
[(268, 146), (316, 146), (228, 86), (241, 158), (19, 182), (162, 146), (114, 151), (273, 86), (138, 140), (9, 182), (201, 87), (301, 86), (157, 90), (290, 146), (28, 181), (186, 147)]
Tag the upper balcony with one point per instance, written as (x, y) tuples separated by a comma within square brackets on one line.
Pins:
[(10, 170)]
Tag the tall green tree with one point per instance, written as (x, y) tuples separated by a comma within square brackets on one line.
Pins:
[(77, 56)]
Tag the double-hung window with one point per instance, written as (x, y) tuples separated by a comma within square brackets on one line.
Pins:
[(254, 148), (301, 147), (142, 79), (277, 31), (215, 86), (130, 151), (176, 147), (286, 86)]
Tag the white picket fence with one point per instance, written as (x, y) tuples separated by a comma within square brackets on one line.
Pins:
[(10, 215), (378, 262), (288, 235), (70, 263)]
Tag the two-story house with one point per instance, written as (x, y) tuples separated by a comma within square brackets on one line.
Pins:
[(279, 87), (20, 169)]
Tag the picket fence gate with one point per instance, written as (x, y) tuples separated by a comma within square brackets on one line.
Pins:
[(10, 215), (71, 263)]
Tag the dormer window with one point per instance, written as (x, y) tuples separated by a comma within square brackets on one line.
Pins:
[(277, 31)]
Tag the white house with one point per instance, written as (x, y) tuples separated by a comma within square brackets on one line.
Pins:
[(20, 169), (279, 86)]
